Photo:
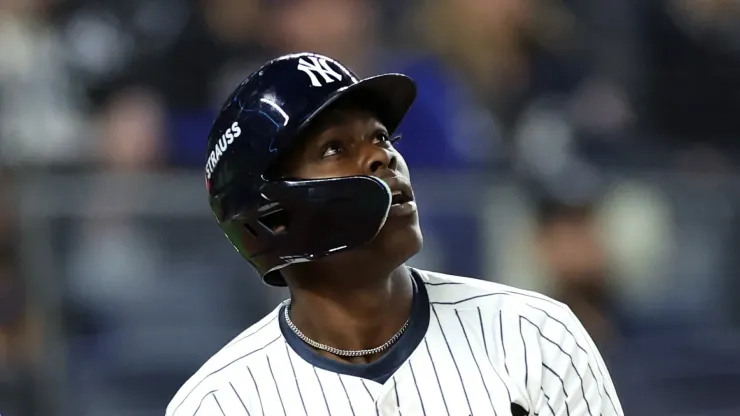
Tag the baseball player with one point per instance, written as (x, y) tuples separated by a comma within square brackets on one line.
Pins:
[(304, 180)]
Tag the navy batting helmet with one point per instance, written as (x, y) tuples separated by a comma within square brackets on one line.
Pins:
[(276, 221)]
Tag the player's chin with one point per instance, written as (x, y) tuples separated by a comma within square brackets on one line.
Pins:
[(401, 234)]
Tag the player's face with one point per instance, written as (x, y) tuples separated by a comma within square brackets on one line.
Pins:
[(350, 143)]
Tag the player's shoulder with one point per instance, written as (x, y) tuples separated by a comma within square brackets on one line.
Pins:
[(252, 344), (465, 292)]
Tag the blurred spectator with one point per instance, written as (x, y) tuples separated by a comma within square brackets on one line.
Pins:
[(131, 142), (508, 51), (20, 339), (18, 329), (347, 30), (691, 58), (20, 335), (103, 37), (133, 131), (485, 62), (41, 107), (650, 358), (216, 47), (573, 251), (578, 245), (224, 34)]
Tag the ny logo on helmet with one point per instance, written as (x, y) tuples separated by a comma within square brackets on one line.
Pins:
[(318, 66)]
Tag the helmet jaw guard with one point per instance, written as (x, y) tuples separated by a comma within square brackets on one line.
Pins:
[(305, 220)]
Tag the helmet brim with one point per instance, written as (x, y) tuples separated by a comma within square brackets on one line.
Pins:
[(392, 96)]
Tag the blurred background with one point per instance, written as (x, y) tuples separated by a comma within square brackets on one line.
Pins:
[(585, 149)]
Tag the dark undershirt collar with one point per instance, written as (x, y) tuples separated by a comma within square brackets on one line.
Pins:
[(382, 369)]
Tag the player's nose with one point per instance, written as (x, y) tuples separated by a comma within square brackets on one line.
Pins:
[(375, 159)]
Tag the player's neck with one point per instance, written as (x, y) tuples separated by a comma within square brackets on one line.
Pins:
[(353, 318)]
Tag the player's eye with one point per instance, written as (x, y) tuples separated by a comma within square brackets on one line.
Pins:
[(383, 137), (332, 148)]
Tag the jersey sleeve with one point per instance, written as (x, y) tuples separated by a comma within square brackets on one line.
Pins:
[(573, 378)]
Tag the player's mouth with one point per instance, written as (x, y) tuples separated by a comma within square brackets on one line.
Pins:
[(402, 198)]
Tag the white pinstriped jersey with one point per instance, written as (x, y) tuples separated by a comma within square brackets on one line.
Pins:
[(477, 348)]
